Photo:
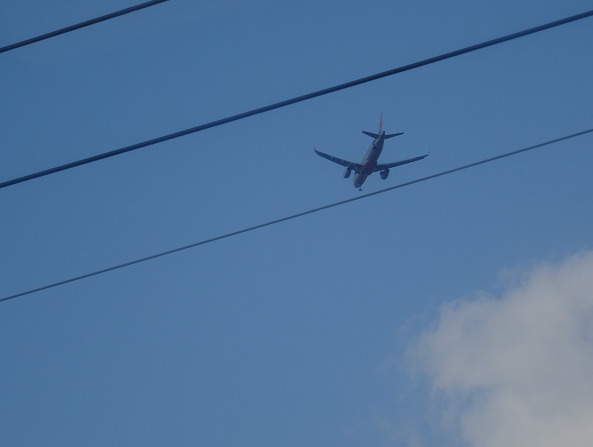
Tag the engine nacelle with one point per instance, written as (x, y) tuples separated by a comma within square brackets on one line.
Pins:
[(347, 172), (384, 173)]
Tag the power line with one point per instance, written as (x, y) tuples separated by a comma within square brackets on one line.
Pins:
[(80, 25), (297, 215), (295, 100)]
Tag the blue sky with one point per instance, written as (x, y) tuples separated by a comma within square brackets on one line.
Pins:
[(333, 329)]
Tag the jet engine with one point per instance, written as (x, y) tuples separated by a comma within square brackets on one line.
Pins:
[(347, 172), (384, 173)]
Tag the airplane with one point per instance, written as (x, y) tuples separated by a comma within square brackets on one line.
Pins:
[(369, 164)]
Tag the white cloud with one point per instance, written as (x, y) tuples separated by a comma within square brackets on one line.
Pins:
[(517, 370)]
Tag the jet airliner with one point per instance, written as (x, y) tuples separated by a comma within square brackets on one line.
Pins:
[(369, 164)]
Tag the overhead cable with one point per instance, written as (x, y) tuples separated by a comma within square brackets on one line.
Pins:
[(80, 25), (294, 216), (295, 100)]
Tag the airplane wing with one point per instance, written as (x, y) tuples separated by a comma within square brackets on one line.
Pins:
[(380, 167), (349, 164)]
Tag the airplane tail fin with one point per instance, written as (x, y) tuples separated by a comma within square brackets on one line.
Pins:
[(376, 135)]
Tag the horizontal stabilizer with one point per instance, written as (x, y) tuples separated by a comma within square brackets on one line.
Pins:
[(376, 135), (371, 134)]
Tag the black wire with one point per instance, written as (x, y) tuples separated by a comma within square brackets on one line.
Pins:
[(80, 25), (298, 99), (294, 216)]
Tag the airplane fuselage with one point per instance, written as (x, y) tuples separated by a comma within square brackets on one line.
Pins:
[(369, 162)]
